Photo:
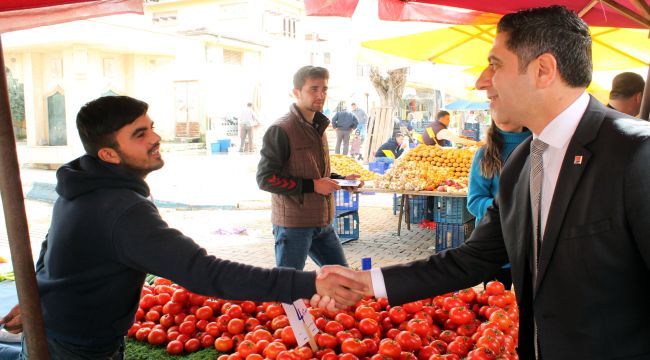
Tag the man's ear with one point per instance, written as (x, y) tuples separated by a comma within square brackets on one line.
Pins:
[(296, 93), (109, 155), (546, 70)]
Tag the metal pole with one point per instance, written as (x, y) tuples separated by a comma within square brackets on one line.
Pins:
[(645, 103), (16, 221)]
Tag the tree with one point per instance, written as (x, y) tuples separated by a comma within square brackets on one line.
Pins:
[(16, 103), (389, 86)]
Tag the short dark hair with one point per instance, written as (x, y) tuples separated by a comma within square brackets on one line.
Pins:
[(441, 114), (625, 85), (309, 71), (100, 119), (249, 104), (555, 30)]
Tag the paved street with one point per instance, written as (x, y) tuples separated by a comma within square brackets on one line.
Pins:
[(214, 199)]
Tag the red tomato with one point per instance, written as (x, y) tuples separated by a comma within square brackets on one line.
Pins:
[(167, 321), (246, 348), (204, 313), (482, 297), (235, 356), (413, 307), (133, 329), (273, 349), (235, 311), (261, 345), (409, 341), (236, 326), (481, 353), (448, 336), (261, 334), (497, 300), (348, 357), (364, 312), (142, 333), (180, 296), (162, 299), (288, 337), (175, 347), (467, 295), (254, 357), (345, 319), (419, 327), (458, 347), (326, 341), (380, 357), (279, 322), (368, 326), (333, 327), (390, 334), (248, 306), (343, 335), (440, 316), (390, 348), (353, 346), (223, 344), (212, 328), (371, 346), (304, 352), (197, 300), (214, 304), (274, 310), (426, 352), (489, 342), (147, 301), (461, 315), (494, 288), (502, 320), (172, 335), (187, 327), (201, 325), (397, 314), (207, 340)]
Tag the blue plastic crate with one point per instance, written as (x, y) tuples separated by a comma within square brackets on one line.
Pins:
[(347, 226), (419, 208), (449, 236), (378, 167), (346, 201), (452, 210)]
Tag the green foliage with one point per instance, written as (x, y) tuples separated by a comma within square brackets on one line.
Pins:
[(136, 350), (16, 102)]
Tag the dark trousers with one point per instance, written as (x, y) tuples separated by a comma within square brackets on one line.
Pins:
[(65, 351)]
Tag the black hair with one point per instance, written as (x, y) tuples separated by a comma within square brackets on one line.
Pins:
[(555, 30), (100, 119), (441, 114)]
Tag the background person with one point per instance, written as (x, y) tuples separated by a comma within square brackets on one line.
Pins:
[(343, 123), (501, 140), (627, 93), (106, 235), (247, 122), (440, 123), (394, 146), (362, 117), (295, 169)]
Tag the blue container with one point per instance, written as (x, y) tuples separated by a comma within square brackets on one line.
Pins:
[(449, 236), (366, 263), (346, 201), (224, 145), (451, 210), (419, 208), (378, 167), (347, 226), (215, 148)]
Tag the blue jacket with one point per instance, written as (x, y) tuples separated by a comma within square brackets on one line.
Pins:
[(345, 120), (390, 145), (482, 190)]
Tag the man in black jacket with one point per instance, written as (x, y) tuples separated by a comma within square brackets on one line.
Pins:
[(106, 235), (393, 146)]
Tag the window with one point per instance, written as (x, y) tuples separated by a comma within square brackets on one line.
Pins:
[(289, 27)]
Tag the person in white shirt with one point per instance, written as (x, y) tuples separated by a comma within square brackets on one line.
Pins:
[(571, 214), (247, 122)]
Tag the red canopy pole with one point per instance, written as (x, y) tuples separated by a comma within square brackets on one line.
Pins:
[(16, 221)]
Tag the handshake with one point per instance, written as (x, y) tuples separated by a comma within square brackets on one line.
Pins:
[(338, 287)]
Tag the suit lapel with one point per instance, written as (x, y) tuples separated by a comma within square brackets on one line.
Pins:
[(574, 164), (523, 234)]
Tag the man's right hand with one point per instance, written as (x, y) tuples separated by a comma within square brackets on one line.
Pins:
[(325, 186), (12, 321), (341, 288)]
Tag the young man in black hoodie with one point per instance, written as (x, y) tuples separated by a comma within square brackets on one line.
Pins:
[(106, 235)]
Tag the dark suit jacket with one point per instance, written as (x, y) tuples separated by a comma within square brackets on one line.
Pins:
[(593, 290)]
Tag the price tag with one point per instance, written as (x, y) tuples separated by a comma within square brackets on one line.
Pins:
[(302, 323)]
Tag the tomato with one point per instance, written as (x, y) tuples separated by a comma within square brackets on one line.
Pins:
[(333, 327), (371, 346), (201, 324), (383, 302), (180, 296), (142, 333), (482, 297), (447, 336), (419, 327), (348, 357), (235, 356), (489, 342), (162, 299), (172, 335), (409, 341), (390, 348), (468, 329), (236, 326), (497, 300), (422, 315), (364, 312), (379, 357), (207, 340), (320, 323), (261, 334), (326, 341), (279, 322), (133, 329), (167, 320), (179, 318), (390, 334), (261, 345), (426, 352), (502, 320), (147, 301), (212, 328), (274, 310), (197, 300), (246, 348), (413, 307), (187, 327), (344, 319), (288, 337), (353, 346), (440, 316), (467, 295), (175, 347), (254, 357), (304, 353), (458, 347), (461, 315), (452, 302), (481, 353), (368, 326), (494, 288), (405, 355), (248, 306), (397, 314), (273, 349), (204, 313), (223, 344), (490, 310)]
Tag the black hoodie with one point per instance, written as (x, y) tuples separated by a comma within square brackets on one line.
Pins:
[(106, 235)]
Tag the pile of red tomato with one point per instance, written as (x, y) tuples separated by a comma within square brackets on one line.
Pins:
[(466, 324)]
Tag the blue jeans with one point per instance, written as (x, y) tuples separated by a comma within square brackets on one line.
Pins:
[(65, 351), (292, 245)]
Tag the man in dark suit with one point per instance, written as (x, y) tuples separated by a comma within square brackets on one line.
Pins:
[(583, 286)]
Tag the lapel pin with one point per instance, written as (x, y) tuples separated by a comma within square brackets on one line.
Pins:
[(577, 160)]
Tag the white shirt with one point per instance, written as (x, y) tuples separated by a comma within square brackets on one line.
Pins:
[(557, 134)]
